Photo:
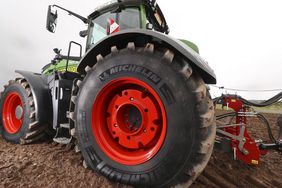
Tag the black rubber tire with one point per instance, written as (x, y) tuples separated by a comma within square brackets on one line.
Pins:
[(190, 115), (30, 130)]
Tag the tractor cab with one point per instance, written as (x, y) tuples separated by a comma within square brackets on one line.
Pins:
[(126, 14), (107, 19), (110, 18)]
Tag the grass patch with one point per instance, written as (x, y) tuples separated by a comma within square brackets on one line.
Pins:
[(275, 108)]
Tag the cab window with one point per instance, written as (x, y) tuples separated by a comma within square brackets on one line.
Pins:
[(129, 19), (125, 19)]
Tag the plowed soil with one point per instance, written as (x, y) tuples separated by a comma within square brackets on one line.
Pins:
[(51, 165)]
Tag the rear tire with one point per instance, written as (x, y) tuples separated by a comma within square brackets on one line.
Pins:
[(18, 115), (187, 118)]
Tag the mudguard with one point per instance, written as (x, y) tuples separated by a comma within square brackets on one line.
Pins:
[(42, 95), (140, 37)]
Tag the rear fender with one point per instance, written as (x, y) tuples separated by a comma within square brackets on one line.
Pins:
[(140, 37), (41, 94)]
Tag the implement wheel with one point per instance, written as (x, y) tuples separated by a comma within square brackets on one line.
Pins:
[(143, 118)]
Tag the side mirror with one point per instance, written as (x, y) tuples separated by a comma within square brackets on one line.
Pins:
[(51, 20)]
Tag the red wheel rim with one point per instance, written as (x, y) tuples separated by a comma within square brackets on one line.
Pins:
[(129, 121), (12, 113)]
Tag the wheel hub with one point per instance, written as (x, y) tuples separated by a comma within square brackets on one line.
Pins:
[(128, 118), (129, 121), (132, 118), (12, 113), (19, 112)]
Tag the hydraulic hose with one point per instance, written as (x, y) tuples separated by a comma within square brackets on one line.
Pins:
[(268, 102), (264, 120), (265, 103)]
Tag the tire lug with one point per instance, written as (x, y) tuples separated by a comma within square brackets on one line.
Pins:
[(85, 165)]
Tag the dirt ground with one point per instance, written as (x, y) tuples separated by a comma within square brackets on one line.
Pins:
[(52, 165)]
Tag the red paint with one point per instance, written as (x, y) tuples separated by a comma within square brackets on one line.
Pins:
[(129, 121), (254, 153), (112, 27), (11, 123)]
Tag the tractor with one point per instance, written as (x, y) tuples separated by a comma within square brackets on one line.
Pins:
[(135, 105)]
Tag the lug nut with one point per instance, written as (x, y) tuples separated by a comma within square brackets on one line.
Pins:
[(131, 98)]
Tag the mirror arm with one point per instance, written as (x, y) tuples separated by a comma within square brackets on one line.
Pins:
[(85, 20)]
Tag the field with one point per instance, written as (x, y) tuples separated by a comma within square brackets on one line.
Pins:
[(51, 165), (275, 108)]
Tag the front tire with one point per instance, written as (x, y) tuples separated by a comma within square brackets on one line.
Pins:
[(178, 106)]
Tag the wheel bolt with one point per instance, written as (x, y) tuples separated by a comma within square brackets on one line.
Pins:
[(131, 98), (115, 125), (144, 130)]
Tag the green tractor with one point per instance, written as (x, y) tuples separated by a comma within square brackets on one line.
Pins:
[(135, 104)]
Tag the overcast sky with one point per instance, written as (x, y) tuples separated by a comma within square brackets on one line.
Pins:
[(241, 39)]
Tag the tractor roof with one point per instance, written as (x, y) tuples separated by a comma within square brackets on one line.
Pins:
[(114, 4)]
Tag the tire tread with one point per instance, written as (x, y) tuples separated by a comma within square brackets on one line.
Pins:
[(204, 106), (34, 131)]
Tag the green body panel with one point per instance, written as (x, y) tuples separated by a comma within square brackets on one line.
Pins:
[(143, 17), (191, 45), (60, 66)]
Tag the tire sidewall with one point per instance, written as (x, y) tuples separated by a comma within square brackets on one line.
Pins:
[(179, 109), (16, 137)]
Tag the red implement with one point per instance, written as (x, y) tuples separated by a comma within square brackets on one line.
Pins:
[(244, 147)]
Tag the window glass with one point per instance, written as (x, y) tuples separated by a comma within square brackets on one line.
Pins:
[(129, 18), (126, 19), (99, 32), (99, 27)]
